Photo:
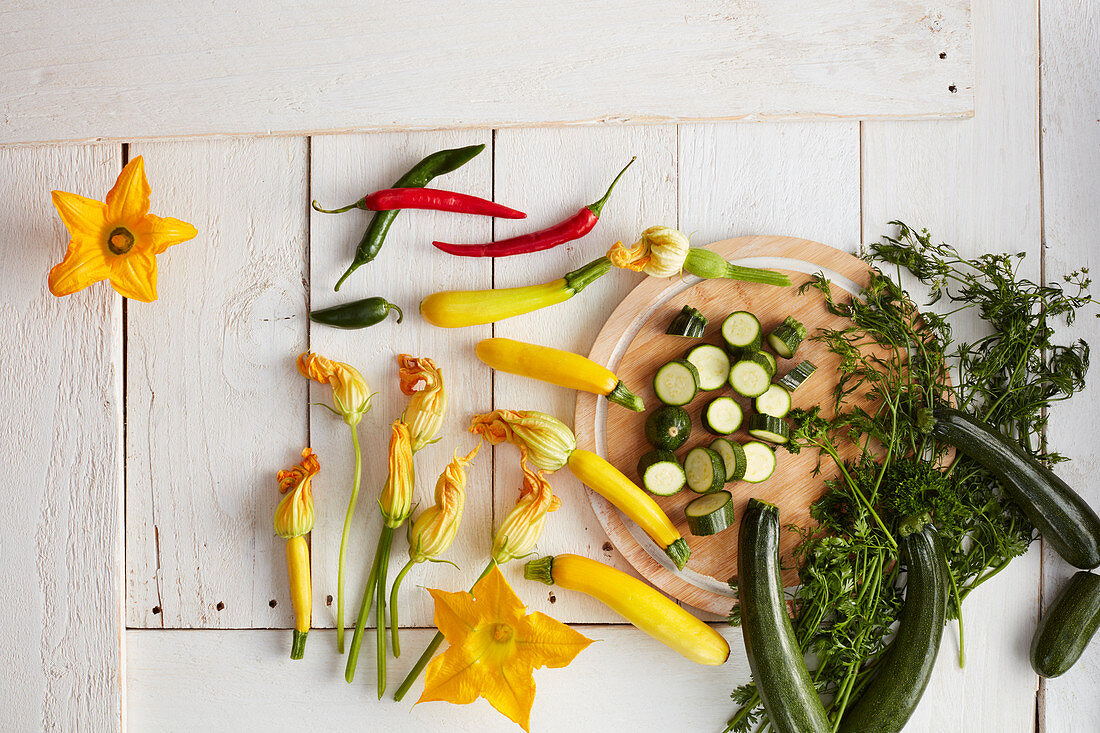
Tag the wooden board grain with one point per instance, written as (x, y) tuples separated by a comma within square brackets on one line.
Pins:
[(633, 344), (251, 68)]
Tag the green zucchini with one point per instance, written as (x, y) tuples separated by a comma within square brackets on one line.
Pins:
[(722, 415), (787, 337), (712, 363), (775, 402), (793, 379), (710, 514), (772, 366), (688, 322), (742, 330), (889, 699), (733, 456), (769, 428), (784, 685), (661, 472), (667, 427), (751, 376), (705, 469), (676, 382), (1067, 626), (759, 461), (1064, 519)]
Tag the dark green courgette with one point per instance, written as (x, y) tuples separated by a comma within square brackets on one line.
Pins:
[(778, 667), (689, 323), (890, 698), (1064, 519), (668, 427), (1067, 626)]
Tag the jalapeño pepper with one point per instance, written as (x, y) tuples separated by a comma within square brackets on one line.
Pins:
[(356, 314)]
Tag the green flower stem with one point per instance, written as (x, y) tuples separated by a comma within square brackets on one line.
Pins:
[(433, 647), (380, 620), (393, 607), (364, 608), (344, 541)]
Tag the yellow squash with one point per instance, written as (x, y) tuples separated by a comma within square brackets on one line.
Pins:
[(459, 308), (555, 366), (639, 603), (301, 591), (610, 483)]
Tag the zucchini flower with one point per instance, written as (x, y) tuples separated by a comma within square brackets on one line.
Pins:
[(396, 499), (293, 520), (659, 252), (522, 528), (542, 439), (434, 530), (350, 393), (422, 381)]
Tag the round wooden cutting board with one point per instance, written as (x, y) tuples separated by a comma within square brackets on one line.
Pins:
[(633, 344)]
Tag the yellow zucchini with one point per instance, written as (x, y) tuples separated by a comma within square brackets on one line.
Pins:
[(610, 483), (555, 366), (639, 603), (459, 308), (301, 592)]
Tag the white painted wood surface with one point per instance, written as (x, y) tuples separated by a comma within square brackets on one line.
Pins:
[(61, 551), (136, 69)]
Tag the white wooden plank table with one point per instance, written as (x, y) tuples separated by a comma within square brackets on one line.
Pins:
[(145, 588)]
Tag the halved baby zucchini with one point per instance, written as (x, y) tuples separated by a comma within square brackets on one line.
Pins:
[(712, 363), (775, 402), (688, 322), (751, 376), (786, 337), (667, 427), (661, 473), (769, 428), (793, 379), (733, 455), (710, 514), (676, 382), (722, 415), (759, 461), (741, 330), (705, 469)]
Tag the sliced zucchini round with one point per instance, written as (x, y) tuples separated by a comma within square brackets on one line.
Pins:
[(733, 456), (676, 382), (741, 330), (772, 366), (722, 415), (661, 473), (793, 379), (775, 402), (769, 428), (712, 363), (786, 337), (750, 378), (710, 514), (688, 322), (667, 427), (759, 461), (706, 472)]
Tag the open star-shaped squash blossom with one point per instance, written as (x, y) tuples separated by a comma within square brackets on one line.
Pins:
[(118, 239), (494, 648)]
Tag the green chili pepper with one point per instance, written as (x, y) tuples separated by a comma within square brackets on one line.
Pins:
[(419, 176), (356, 314)]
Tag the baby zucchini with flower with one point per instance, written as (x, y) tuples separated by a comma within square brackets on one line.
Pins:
[(293, 521), (555, 366), (639, 603), (665, 252)]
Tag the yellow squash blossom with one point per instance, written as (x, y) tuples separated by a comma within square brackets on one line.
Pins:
[(396, 498), (434, 530), (542, 439), (350, 392), (293, 521), (494, 648), (117, 240), (422, 381), (522, 528), (659, 252)]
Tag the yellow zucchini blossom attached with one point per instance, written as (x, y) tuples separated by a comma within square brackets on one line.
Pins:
[(396, 499), (422, 382), (116, 240), (660, 252), (522, 528), (294, 515), (542, 439), (350, 392), (434, 530)]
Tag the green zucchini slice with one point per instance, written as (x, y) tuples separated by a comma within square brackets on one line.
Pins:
[(759, 461), (676, 382), (667, 427), (775, 402), (722, 415), (713, 365), (710, 514), (750, 377), (661, 473), (769, 428), (793, 379), (733, 455), (706, 472), (786, 337), (688, 322), (741, 330)]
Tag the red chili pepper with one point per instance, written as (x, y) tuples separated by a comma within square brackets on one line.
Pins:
[(572, 228), (395, 199)]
